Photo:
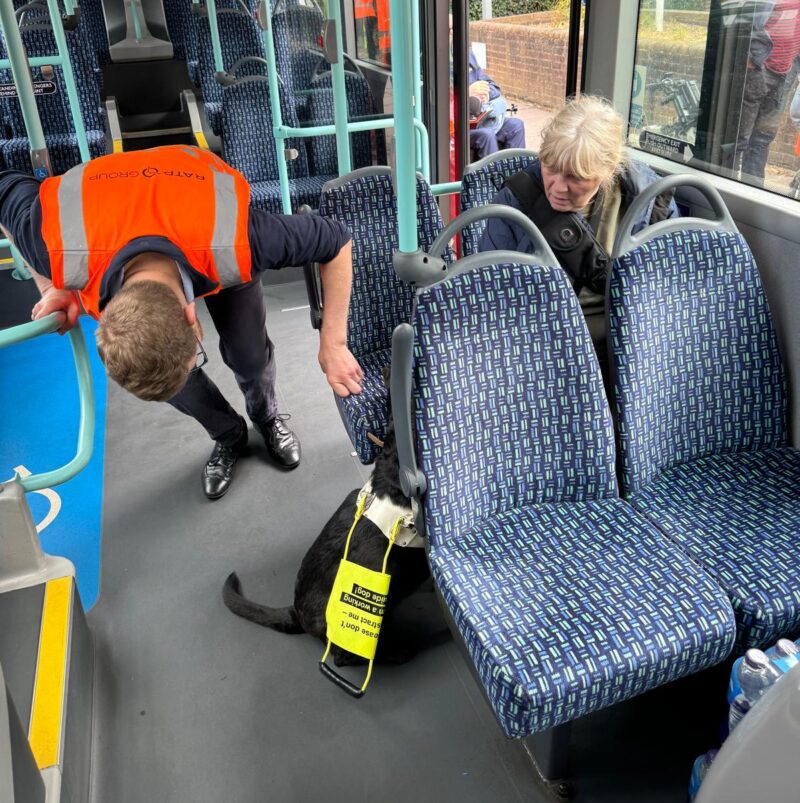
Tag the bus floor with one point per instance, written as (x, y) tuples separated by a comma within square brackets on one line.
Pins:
[(195, 705)]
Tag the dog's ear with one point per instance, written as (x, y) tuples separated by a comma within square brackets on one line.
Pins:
[(387, 372)]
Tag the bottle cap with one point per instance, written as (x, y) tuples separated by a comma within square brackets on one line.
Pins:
[(786, 647), (756, 659)]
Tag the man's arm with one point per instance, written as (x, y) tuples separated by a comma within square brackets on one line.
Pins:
[(340, 366), (278, 241), (20, 222)]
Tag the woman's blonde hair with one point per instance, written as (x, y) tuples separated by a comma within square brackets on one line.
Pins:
[(584, 140)]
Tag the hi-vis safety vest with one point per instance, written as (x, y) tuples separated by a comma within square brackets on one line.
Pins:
[(185, 194)]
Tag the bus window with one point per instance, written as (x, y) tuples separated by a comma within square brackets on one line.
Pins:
[(372, 37), (715, 85), (517, 71)]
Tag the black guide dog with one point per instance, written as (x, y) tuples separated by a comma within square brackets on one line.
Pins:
[(408, 567)]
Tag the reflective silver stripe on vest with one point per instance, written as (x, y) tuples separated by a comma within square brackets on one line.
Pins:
[(73, 231), (225, 216)]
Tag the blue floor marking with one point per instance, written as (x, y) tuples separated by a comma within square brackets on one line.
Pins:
[(39, 416)]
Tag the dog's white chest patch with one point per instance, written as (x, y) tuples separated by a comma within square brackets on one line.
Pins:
[(383, 513)]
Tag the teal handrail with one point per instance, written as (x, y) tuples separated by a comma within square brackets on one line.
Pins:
[(400, 19), (46, 325), (18, 62), (216, 47), (340, 113), (69, 79)]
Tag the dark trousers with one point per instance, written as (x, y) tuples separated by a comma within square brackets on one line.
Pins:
[(486, 140), (760, 118), (240, 320)]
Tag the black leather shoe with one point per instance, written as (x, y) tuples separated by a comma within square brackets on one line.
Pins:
[(218, 471), (282, 444)]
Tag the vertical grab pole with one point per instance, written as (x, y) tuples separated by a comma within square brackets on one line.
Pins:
[(265, 21), (20, 70), (69, 78), (211, 7), (405, 178), (416, 83), (339, 92)]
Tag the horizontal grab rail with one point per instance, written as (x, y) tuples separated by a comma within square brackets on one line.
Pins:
[(46, 325)]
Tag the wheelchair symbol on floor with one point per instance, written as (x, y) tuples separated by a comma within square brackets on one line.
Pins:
[(50, 495)]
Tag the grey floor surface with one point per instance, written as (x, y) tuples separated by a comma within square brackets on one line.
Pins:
[(194, 705)]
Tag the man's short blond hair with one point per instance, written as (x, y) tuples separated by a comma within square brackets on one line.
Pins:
[(585, 140), (145, 341)]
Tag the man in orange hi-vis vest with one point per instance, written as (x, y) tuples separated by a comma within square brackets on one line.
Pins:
[(135, 238), (365, 17), (384, 32)]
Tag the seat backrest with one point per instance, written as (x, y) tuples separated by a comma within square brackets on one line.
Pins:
[(182, 28), (248, 143), (322, 150), (694, 354), (239, 37), (54, 108), (366, 203), (482, 181), (296, 31), (510, 409)]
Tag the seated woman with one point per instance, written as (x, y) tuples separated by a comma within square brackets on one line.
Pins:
[(577, 194)]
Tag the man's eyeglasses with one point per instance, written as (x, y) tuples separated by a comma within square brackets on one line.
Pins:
[(201, 358)]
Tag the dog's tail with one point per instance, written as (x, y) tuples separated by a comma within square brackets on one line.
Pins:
[(282, 619)]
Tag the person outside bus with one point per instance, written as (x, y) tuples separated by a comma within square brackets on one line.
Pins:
[(502, 131), (135, 238), (773, 58), (577, 193)]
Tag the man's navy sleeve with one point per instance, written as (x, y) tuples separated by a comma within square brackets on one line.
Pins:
[(280, 241), (21, 217)]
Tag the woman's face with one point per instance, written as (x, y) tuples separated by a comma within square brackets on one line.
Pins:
[(567, 193)]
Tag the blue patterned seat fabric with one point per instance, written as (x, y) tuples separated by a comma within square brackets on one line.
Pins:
[(738, 516), (478, 188), (54, 108), (701, 402), (249, 146), (379, 301), (567, 600), (318, 110), (239, 37)]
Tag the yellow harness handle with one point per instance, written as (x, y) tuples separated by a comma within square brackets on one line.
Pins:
[(369, 605)]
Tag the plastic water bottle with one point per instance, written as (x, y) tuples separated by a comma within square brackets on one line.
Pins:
[(739, 707), (734, 689), (756, 674), (784, 655), (699, 771)]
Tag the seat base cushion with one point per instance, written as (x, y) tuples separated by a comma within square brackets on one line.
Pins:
[(63, 150), (567, 608), (267, 194), (367, 411), (738, 516)]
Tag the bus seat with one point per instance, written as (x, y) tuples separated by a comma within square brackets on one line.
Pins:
[(365, 202), (92, 29), (296, 31), (318, 110), (567, 600), (54, 108), (702, 408), (240, 37), (182, 27), (249, 146), (481, 181)]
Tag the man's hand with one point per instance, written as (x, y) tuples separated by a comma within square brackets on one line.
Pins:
[(480, 90), (341, 368), (58, 301)]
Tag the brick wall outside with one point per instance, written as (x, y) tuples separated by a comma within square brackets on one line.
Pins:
[(527, 56)]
